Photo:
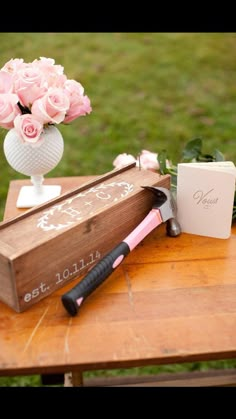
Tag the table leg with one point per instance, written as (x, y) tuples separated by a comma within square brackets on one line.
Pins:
[(73, 379)]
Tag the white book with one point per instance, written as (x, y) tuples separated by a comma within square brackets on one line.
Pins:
[(205, 197)]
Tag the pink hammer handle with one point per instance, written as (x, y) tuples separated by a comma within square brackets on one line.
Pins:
[(151, 221), (73, 299)]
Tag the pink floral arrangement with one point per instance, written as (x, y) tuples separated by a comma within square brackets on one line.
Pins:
[(36, 95)]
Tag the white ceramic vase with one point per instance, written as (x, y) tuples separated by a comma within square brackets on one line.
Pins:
[(35, 162)]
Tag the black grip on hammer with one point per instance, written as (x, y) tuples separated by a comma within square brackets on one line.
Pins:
[(94, 278)]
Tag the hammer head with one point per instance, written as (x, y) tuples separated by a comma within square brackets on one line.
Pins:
[(166, 205)]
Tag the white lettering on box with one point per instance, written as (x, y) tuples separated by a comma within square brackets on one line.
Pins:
[(35, 292), (84, 204), (75, 268)]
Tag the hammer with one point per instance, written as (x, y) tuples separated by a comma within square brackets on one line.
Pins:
[(164, 209)]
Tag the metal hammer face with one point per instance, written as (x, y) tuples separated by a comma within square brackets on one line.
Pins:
[(166, 205)]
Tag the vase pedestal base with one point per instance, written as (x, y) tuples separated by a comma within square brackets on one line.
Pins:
[(30, 196)]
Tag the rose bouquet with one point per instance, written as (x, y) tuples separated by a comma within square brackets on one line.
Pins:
[(36, 95)]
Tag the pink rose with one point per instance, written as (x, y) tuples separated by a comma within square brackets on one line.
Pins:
[(29, 129), (148, 160), (123, 159), (79, 104), (6, 82), (48, 65), (8, 110), (53, 73), (13, 65), (44, 62), (56, 80), (52, 107), (78, 107), (73, 88), (29, 84)]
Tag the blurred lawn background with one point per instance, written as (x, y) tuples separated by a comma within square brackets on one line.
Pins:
[(153, 91)]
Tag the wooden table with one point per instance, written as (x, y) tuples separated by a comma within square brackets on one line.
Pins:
[(172, 300)]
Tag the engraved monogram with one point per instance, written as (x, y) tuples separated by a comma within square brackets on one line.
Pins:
[(83, 204)]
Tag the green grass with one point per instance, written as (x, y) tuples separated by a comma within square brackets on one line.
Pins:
[(149, 91)]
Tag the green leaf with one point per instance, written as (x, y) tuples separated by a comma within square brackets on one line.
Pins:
[(162, 156), (192, 150), (173, 181), (218, 156), (206, 158), (164, 170)]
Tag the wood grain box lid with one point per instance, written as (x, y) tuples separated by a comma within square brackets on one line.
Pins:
[(49, 245)]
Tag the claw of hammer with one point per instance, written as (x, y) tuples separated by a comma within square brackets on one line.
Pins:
[(167, 207)]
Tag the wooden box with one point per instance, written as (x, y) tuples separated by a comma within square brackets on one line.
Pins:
[(49, 245)]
